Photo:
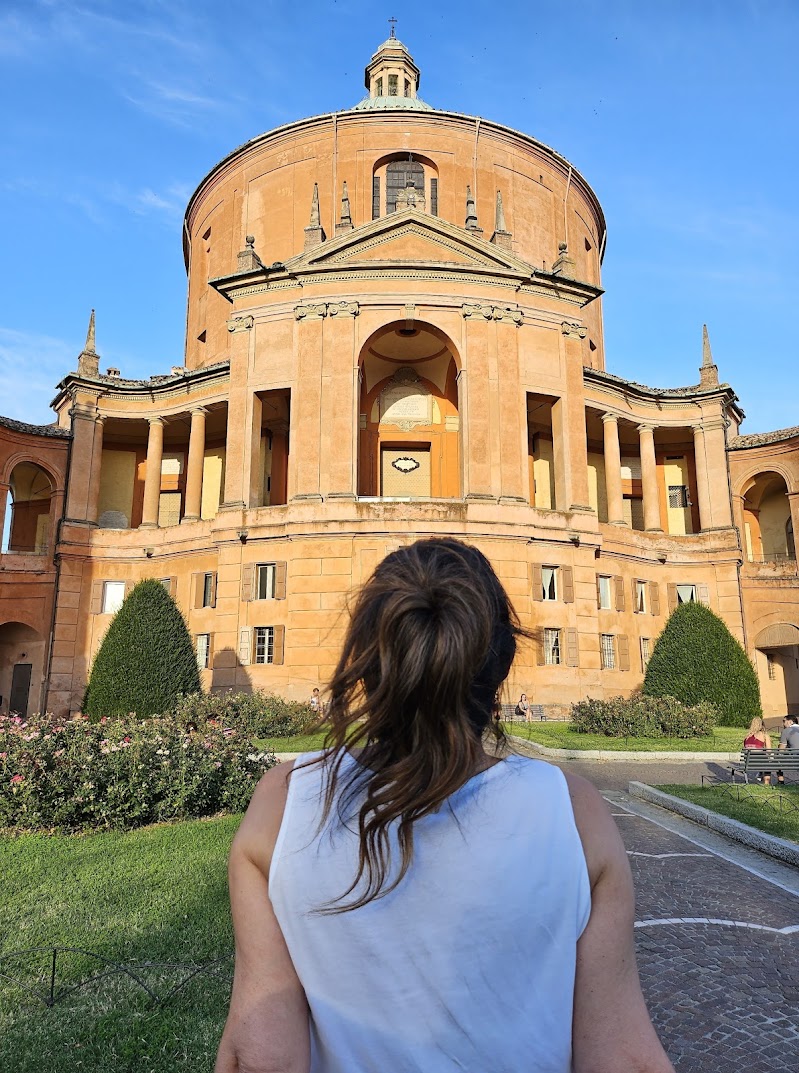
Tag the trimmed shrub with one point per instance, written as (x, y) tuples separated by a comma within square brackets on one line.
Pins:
[(643, 717), (78, 775), (146, 660), (696, 658), (253, 715)]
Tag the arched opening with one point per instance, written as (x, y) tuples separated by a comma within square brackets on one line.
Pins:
[(21, 668), (28, 510), (404, 179), (409, 423), (768, 529), (777, 662)]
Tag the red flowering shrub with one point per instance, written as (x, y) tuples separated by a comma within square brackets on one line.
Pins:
[(73, 775)]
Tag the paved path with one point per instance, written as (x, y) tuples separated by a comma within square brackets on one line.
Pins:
[(717, 931)]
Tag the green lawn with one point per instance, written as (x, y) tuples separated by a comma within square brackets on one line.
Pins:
[(303, 743), (156, 894), (561, 736), (771, 810)]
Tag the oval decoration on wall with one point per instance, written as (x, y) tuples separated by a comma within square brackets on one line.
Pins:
[(405, 464)]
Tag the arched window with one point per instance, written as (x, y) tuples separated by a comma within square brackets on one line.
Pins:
[(399, 174)]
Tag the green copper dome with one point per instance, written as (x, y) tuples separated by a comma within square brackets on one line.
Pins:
[(377, 104)]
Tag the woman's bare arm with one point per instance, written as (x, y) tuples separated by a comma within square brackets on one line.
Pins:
[(612, 1030), (267, 1027)]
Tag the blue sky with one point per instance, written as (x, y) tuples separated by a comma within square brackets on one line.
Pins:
[(681, 115)]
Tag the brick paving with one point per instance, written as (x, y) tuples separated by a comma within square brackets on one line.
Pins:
[(723, 990)]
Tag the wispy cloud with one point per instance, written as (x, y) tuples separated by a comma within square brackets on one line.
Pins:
[(101, 203), (30, 364)]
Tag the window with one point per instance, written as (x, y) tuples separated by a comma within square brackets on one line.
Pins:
[(646, 652), (434, 197), (678, 495), (772, 670), (393, 85), (379, 87), (640, 597), (549, 585), (686, 594), (265, 581), (407, 88), (552, 647), (203, 650), (376, 197), (399, 175), (168, 509), (113, 596), (264, 644), (208, 591), (608, 649), (603, 592)]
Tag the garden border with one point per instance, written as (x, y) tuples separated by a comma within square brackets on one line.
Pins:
[(779, 848), (626, 754)]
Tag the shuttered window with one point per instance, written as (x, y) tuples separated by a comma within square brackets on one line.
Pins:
[(434, 197), (686, 594), (393, 85), (639, 588), (209, 586), (646, 652), (603, 592), (264, 644), (551, 647), (376, 198), (399, 174), (608, 650), (549, 584), (203, 650)]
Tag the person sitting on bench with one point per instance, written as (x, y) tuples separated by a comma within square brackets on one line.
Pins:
[(789, 739), (758, 738)]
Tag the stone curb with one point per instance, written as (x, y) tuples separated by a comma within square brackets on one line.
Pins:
[(779, 848), (283, 757), (626, 754)]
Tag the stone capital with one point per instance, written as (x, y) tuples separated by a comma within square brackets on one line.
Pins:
[(347, 308), (201, 411), (311, 311), (645, 428), (491, 312), (241, 324), (156, 420), (574, 331), (610, 418)]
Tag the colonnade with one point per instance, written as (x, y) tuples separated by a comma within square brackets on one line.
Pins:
[(711, 474)]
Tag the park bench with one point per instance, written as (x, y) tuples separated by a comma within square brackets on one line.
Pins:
[(509, 713), (756, 761)]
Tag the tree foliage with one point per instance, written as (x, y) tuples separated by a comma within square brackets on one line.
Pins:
[(146, 660), (696, 659)]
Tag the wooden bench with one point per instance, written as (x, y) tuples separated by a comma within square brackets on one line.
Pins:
[(757, 761), (509, 713)]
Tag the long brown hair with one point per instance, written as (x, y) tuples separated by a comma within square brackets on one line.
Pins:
[(431, 639)]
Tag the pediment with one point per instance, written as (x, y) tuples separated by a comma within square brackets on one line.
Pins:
[(411, 237)]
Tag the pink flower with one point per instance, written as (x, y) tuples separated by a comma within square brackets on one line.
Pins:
[(16, 778)]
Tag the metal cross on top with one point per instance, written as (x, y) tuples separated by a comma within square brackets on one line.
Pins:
[(392, 22)]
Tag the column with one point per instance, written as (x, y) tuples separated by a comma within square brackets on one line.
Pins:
[(80, 464), (613, 488), (702, 487), (194, 466), (97, 465), (152, 475), (3, 501), (793, 503), (717, 477), (649, 479)]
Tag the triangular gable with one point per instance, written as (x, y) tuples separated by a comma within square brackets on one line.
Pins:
[(410, 237)]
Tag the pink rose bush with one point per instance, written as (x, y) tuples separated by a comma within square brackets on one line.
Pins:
[(76, 775)]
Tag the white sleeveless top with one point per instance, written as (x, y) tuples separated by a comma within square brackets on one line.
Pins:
[(469, 964)]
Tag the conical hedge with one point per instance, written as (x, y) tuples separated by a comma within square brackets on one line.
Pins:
[(697, 658), (146, 659)]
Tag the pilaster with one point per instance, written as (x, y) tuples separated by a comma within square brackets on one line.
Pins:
[(83, 425), (717, 474), (570, 418), (306, 402), (96, 471), (238, 411), (339, 402)]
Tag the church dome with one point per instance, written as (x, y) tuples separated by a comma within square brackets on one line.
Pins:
[(376, 104)]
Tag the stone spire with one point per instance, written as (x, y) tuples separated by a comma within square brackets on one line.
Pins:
[(345, 223), (89, 359), (501, 237), (314, 233), (471, 214), (708, 373)]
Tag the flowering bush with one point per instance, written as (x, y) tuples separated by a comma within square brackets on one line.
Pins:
[(644, 717), (255, 715), (76, 775)]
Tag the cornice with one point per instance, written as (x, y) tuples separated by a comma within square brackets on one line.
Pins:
[(49, 431), (609, 383), (157, 387)]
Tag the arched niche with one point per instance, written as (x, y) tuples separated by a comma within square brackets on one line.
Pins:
[(29, 499), (768, 530), (409, 439), (22, 652)]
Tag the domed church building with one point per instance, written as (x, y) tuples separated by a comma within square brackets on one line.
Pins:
[(394, 331)]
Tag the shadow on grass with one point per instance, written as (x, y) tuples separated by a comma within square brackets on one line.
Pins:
[(156, 895)]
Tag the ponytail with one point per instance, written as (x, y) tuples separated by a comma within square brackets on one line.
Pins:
[(431, 639)]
